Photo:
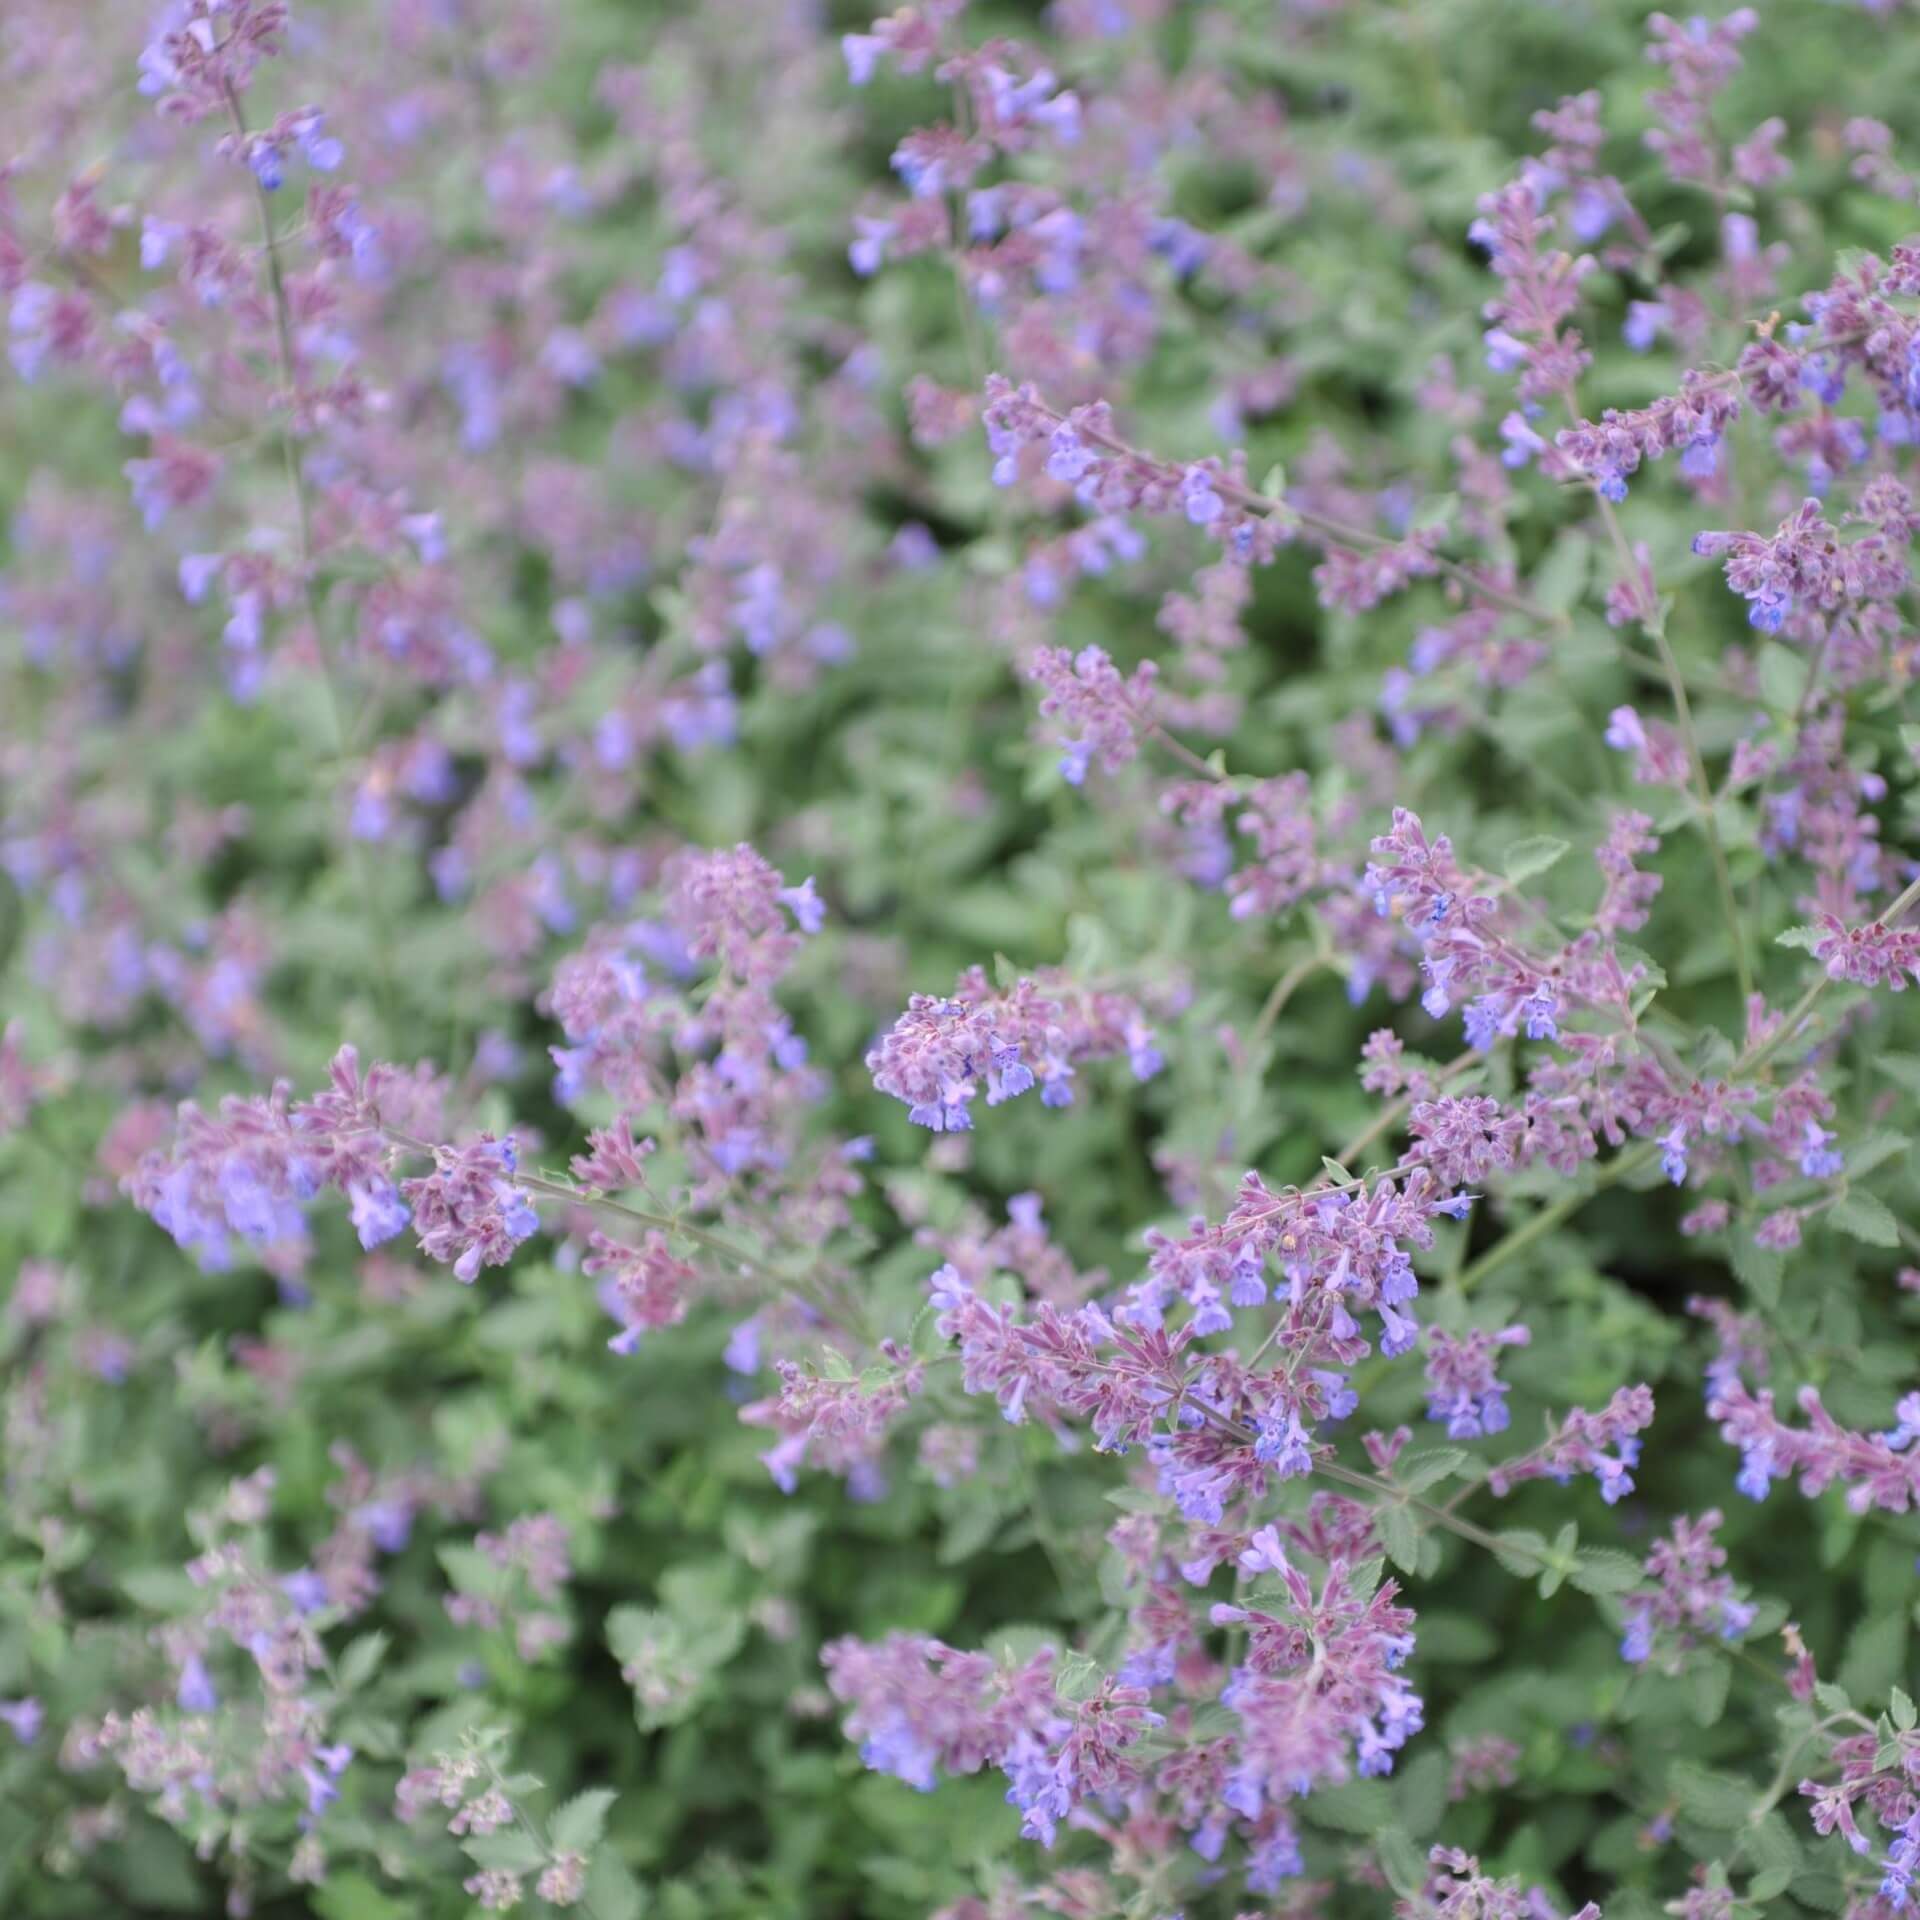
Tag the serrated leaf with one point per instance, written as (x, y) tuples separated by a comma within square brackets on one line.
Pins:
[(1804, 937), (612, 1891), (1867, 1218), (576, 1826), (1605, 1570), (1527, 858), (1771, 1846), (1078, 1678), (1900, 1705), (1521, 1551), (510, 1848), (1874, 1150), (1399, 1534), (1418, 1471), (1714, 1799)]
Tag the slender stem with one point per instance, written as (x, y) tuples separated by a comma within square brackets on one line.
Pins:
[(1439, 1516), (1388, 1115), (1544, 1222), (1709, 823), (376, 922), (1289, 983), (1268, 507), (1653, 623), (1186, 755)]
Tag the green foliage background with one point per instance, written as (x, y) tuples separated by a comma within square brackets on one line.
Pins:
[(739, 1799)]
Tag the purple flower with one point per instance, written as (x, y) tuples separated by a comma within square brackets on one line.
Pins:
[(25, 1716), (196, 1692)]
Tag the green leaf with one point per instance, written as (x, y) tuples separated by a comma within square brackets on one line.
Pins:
[(1761, 1270), (352, 1896), (1401, 1861), (612, 1891), (1875, 1658), (1866, 1218), (1399, 1534), (1707, 1679), (1806, 938), (1714, 1799), (1418, 1471), (1078, 1678), (1561, 577), (1521, 1551), (1532, 856), (1783, 677), (360, 1661), (1420, 1787), (1771, 1846), (510, 1848), (1900, 1705), (1873, 1150), (1359, 1806), (1605, 1570), (576, 1827), (1903, 1067)]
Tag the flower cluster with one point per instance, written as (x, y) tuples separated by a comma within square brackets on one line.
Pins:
[(466, 486)]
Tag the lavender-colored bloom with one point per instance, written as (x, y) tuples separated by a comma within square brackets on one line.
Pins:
[(196, 1692), (25, 1717)]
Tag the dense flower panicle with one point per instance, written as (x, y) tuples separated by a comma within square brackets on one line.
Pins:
[(1457, 1890), (1462, 1388), (1874, 955), (1691, 1599), (939, 1053), (1320, 1696), (245, 1172), (840, 1426), (208, 50), (642, 1287), (1461, 1139), (1540, 291), (1337, 1253), (1630, 893), (1579, 1445), (732, 906), (1691, 423), (470, 1212), (920, 1708), (1700, 58), (1099, 714), (1485, 1762), (1880, 1470), (1803, 569)]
